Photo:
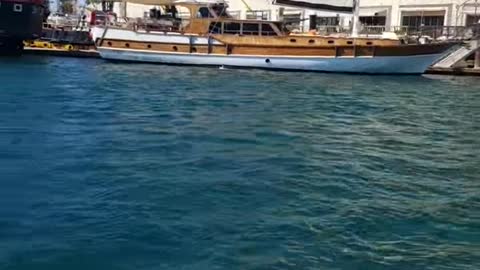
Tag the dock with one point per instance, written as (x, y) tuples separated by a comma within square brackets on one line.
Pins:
[(62, 52), (460, 71)]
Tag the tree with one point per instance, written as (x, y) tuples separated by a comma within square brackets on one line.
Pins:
[(66, 6)]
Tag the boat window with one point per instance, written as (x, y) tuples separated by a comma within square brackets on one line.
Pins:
[(215, 28), (231, 28), (251, 29), (204, 12), (267, 30), (220, 10), (281, 26), (171, 11)]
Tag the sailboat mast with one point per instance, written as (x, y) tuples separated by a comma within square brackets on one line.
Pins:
[(356, 18)]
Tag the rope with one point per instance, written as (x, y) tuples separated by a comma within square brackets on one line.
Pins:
[(247, 6)]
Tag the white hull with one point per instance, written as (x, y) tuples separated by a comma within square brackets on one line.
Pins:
[(373, 65)]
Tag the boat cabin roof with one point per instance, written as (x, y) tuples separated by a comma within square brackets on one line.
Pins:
[(212, 17), (175, 2)]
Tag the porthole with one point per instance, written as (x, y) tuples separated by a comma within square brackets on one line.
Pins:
[(17, 7), (194, 50), (369, 43), (127, 45), (175, 48), (109, 43), (331, 42), (293, 40), (349, 42), (149, 46), (267, 61)]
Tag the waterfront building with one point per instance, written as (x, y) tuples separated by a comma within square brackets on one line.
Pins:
[(384, 14), (387, 13)]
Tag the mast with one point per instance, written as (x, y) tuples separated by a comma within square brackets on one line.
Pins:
[(356, 18)]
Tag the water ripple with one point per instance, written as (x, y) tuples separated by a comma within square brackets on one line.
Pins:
[(158, 167)]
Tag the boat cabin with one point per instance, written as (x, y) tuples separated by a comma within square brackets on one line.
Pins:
[(209, 18)]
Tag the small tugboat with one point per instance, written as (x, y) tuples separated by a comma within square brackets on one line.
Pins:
[(20, 20), (210, 36)]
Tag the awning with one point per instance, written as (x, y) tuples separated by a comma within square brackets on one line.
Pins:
[(341, 6), (173, 2), (424, 13), (372, 12)]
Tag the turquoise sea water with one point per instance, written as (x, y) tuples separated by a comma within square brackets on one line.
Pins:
[(132, 166)]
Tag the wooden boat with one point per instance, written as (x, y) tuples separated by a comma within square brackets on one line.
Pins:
[(211, 37)]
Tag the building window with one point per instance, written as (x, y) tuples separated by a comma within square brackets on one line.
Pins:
[(328, 21), (292, 21), (472, 20), (418, 21), (373, 20), (235, 14), (263, 15)]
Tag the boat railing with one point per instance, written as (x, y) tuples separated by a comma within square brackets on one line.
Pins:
[(440, 32), (431, 32), (152, 25), (336, 29)]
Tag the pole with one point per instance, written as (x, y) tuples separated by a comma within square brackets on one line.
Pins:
[(477, 59), (356, 18), (313, 22), (476, 17)]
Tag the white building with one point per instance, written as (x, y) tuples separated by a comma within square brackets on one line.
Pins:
[(387, 14)]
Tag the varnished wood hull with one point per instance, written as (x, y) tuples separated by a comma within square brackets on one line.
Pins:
[(197, 50)]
